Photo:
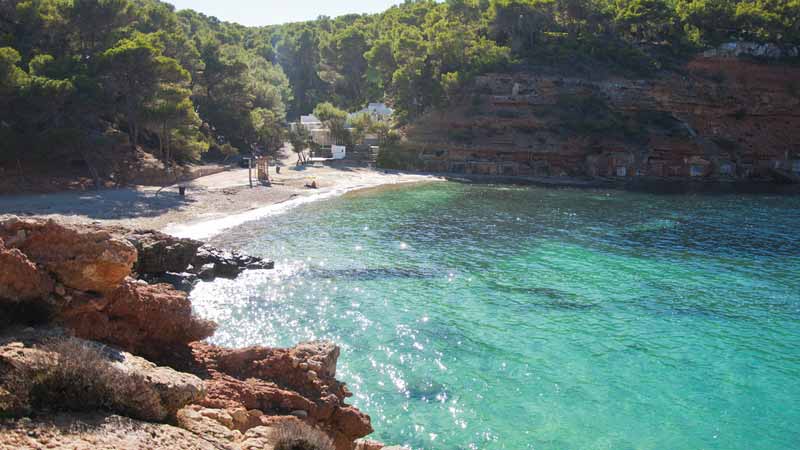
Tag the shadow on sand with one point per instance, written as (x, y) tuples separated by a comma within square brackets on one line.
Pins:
[(104, 204)]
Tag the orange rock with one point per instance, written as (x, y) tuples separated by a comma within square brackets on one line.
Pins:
[(81, 258), (368, 444), (280, 382), (20, 279), (144, 319)]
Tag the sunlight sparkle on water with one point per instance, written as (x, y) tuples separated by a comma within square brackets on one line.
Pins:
[(531, 318)]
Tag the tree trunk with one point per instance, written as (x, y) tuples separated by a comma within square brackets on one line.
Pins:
[(161, 149), (133, 132), (169, 146), (92, 170), (19, 168), (133, 128)]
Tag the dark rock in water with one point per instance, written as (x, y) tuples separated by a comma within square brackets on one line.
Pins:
[(212, 262), (206, 272), (549, 298), (426, 390), (161, 253), (184, 281), (179, 262), (372, 273)]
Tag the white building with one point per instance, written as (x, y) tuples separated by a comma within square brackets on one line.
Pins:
[(378, 111), (319, 132), (310, 121), (322, 136)]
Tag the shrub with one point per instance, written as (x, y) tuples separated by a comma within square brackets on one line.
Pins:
[(297, 435), (228, 151), (75, 375), (508, 114), (793, 89), (461, 135), (396, 157), (718, 77)]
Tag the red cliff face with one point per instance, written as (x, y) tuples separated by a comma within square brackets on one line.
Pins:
[(715, 118)]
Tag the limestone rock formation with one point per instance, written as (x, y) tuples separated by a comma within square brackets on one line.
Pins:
[(297, 381), (138, 317), (214, 423), (99, 431), (285, 432), (175, 389), (82, 258), (718, 117), (20, 279), (32, 358)]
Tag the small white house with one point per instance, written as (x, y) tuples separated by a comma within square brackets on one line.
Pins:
[(310, 122), (319, 132), (338, 151), (322, 136)]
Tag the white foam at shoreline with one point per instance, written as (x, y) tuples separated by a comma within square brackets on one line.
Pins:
[(210, 228)]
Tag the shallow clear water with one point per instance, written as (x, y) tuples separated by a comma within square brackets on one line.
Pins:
[(500, 317)]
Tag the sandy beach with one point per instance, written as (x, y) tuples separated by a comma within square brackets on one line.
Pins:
[(212, 203)]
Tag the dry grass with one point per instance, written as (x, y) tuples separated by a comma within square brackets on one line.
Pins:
[(75, 375), (299, 436)]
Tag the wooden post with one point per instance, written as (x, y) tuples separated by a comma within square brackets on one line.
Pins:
[(250, 170)]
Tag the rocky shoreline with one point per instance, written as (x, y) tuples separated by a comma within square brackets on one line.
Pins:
[(99, 347)]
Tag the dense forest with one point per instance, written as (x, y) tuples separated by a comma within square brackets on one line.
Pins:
[(80, 75)]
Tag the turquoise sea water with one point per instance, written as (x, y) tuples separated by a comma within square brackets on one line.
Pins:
[(502, 317)]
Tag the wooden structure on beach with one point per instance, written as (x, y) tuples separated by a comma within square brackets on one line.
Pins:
[(262, 169)]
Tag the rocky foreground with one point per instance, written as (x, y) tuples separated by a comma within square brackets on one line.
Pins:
[(96, 352)]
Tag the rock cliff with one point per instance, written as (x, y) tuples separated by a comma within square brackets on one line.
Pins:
[(723, 115), (96, 322)]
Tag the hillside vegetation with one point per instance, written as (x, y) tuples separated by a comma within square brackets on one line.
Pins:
[(78, 77)]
